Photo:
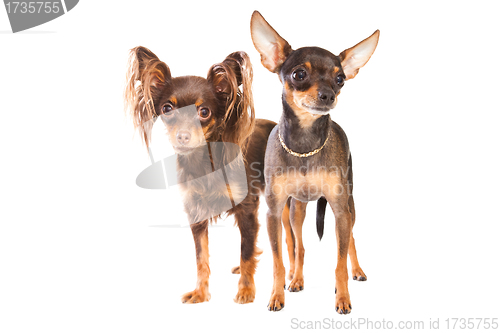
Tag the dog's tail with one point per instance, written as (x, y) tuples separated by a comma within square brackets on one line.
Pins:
[(320, 216)]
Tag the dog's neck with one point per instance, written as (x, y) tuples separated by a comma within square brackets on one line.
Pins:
[(300, 138), (206, 159), (193, 165)]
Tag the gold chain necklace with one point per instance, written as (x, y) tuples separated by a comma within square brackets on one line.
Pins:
[(311, 153)]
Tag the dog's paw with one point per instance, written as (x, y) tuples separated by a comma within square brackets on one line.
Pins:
[(297, 284), (235, 270), (343, 304), (245, 295), (277, 301), (196, 296), (358, 274)]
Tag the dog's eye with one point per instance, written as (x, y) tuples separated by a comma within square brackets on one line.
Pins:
[(299, 75), (340, 79), (166, 108), (204, 113)]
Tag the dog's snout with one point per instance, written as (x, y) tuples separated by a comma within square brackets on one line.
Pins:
[(326, 96), (183, 137)]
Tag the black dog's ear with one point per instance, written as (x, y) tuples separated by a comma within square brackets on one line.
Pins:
[(272, 47), (146, 78), (357, 56), (232, 84)]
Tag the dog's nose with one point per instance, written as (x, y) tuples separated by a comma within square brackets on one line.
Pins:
[(326, 96), (183, 137)]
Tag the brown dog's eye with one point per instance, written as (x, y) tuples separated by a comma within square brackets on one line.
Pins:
[(166, 108), (204, 113), (340, 80), (299, 75)]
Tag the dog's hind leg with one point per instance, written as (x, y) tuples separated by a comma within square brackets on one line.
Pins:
[(289, 237), (357, 272)]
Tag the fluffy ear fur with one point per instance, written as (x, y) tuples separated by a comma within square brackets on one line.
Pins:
[(272, 47), (232, 84), (146, 77), (357, 56)]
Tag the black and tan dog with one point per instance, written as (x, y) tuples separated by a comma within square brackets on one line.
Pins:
[(308, 155)]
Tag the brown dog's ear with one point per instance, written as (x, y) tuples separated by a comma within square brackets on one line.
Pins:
[(232, 84), (357, 56), (146, 77), (272, 47)]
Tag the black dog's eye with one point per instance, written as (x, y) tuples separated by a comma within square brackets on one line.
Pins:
[(340, 80), (204, 113), (299, 75), (166, 108)]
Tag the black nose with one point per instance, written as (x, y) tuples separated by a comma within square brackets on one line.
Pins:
[(326, 96), (183, 137)]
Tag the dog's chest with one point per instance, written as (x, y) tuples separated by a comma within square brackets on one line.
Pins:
[(308, 186)]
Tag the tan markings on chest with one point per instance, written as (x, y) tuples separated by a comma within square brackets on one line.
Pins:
[(308, 187)]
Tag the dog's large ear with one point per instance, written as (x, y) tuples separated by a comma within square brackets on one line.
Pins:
[(146, 77), (232, 84), (357, 56), (272, 47)]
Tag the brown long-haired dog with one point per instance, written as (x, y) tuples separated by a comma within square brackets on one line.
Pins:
[(224, 107)]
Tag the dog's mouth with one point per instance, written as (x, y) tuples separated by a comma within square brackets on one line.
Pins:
[(183, 150), (317, 109), (320, 109)]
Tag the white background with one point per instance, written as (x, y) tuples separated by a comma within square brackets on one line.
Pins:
[(83, 249)]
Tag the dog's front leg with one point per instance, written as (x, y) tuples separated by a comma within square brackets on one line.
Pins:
[(246, 217), (343, 228), (277, 301), (200, 235), (298, 214)]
